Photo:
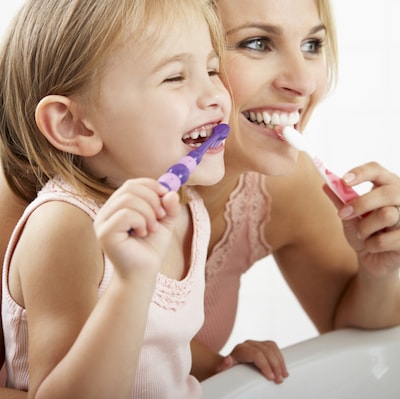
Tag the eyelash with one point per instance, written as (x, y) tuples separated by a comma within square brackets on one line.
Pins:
[(180, 78), (264, 44)]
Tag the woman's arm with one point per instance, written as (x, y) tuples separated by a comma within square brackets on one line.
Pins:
[(308, 243), (371, 224), (325, 272)]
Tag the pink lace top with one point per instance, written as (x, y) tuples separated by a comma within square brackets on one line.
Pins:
[(175, 315), (242, 244)]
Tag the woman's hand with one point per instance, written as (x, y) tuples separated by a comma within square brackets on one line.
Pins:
[(265, 355), (372, 227), (372, 221)]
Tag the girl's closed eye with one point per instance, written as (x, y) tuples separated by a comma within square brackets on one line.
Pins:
[(174, 78), (213, 72)]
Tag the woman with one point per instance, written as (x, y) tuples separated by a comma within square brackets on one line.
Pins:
[(271, 199), (286, 70)]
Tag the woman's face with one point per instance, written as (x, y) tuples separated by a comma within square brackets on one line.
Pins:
[(276, 72)]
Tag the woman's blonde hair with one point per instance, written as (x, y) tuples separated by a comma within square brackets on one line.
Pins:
[(330, 48), (59, 47)]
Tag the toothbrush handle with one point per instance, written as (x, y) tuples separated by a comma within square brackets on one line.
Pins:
[(178, 173), (343, 192)]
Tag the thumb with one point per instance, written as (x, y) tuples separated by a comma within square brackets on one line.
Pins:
[(226, 363), (171, 205)]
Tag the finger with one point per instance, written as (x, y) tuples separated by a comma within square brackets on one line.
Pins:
[(266, 356), (370, 172), (383, 242), (129, 205), (117, 225), (379, 221), (226, 363), (148, 190)]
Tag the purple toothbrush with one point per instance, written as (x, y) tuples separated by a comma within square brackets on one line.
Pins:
[(178, 173)]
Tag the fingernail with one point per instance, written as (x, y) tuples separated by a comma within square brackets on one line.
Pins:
[(271, 376), (346, 212), (349, 177), (161, 212)]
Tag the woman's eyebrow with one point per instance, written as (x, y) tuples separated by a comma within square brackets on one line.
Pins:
[(271, 29)]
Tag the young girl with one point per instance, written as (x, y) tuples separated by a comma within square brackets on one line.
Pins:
[(100, 98)]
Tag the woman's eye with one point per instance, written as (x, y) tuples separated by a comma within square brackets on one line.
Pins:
[(312, 46), (256, 44)]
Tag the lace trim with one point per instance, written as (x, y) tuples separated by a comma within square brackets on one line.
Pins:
[(248, 204), (171, 294)]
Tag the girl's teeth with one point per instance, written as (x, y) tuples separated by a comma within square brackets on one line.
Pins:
[(198, 133)]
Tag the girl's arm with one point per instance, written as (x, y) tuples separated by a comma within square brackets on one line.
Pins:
[(80, 346), (11, 209)]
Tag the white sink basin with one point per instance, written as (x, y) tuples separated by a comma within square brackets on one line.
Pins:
[(344, 364)]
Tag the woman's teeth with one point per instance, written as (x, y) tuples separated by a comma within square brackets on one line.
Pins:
[(274, 119)]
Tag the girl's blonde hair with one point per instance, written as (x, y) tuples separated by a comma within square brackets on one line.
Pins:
[(60, 47)]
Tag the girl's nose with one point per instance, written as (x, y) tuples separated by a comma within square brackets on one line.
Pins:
[(296, 76), (214, 94)]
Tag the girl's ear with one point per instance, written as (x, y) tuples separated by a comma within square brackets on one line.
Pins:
[(58, 119)]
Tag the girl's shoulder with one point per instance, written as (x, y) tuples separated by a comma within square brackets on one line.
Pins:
[(54, 238)]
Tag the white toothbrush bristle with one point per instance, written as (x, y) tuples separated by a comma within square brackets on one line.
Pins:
[(294, 138)]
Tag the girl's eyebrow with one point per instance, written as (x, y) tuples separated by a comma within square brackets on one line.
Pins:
[(183, 57), (271, 29)]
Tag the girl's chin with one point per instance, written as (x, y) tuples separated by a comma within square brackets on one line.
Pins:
[(207, 179)]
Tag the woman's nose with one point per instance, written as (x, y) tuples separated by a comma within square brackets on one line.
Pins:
[(296, 76)]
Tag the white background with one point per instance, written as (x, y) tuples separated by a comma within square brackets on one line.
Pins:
[(359, 122)]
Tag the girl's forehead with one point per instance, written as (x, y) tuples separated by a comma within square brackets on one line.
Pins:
[(161, 32)]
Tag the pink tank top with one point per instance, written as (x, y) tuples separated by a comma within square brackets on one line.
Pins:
[(242, 244), (175, 315)]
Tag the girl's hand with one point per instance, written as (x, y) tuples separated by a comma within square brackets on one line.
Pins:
[(372, 221), (265, 355), (134, 226)]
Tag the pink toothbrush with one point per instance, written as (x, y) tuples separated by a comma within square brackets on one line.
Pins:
[(178, 173), (335, 183)]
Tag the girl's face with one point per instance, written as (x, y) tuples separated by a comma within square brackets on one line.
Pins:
[(156, 98), (277, 75)]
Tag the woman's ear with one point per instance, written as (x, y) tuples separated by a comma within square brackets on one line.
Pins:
[(58, 119)]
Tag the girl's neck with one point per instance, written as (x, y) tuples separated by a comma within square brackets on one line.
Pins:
[(216, 196)]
